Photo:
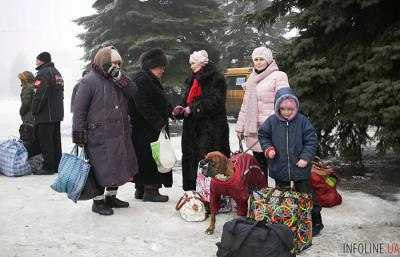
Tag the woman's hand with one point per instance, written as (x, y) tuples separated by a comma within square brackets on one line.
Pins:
[(177, 111), (186, 111), (301, 163)]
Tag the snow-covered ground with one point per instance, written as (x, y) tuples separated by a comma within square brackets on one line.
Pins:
[(36, 221)]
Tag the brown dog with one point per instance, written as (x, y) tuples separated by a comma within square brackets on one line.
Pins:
[(234, 177)]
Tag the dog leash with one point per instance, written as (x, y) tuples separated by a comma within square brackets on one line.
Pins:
[(241, 146)]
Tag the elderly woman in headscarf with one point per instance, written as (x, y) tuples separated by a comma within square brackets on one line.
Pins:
[(205, 127), (258, 100), (101, 123)]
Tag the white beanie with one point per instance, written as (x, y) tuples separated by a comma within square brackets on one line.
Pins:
[(262, 52), (200, 57)]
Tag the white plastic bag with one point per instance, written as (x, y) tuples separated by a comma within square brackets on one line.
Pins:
[(163, 153), (191, 207)]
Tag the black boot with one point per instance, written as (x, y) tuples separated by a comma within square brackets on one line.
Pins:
[(139, 194), (151, 194), (113, 202), (100, 207), (317, 229)]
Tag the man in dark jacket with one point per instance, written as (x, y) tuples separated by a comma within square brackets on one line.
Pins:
[(289, 140), (150, 111), (48, 112)]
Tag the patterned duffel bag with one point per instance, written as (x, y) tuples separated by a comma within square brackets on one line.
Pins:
[(14, 158), (291, 208)]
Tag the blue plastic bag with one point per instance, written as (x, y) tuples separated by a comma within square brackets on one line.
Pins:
[(14, 158), (73, 172)]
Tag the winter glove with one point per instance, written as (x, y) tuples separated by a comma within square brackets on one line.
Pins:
[(270, 152), (301, 163), (122, 80), (178, 110), (240, 135), (186, 111), (79, 137)]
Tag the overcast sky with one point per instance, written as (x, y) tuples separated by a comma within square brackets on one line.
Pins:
[(28, 27)]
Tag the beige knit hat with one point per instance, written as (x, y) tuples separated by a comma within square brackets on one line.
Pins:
[(107, 55), (199, 57)]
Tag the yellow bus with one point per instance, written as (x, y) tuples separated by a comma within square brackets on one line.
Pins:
[(235, 77)]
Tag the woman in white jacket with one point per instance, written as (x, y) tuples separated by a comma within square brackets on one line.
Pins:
[(258, 100)]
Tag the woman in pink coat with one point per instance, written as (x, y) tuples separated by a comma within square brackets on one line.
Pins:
[(258, 100)]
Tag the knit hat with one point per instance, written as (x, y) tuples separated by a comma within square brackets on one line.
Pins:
[(286, 96), (105, 56), (199, 57), (44, 57), (262, 52), (153, 58)]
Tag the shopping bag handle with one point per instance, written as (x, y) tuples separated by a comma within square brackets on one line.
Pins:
[(164, 132), (82, 154)]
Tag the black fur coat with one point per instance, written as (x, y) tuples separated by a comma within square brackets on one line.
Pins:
[(206, 128)]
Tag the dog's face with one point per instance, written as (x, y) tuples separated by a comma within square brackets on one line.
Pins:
[(213, 164)]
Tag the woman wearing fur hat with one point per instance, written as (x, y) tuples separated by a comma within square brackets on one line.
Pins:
[(258, 100), (150, 111), (101, 123), (205, 127)]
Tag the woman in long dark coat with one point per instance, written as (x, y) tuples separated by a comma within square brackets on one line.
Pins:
[(101, 123), (150, 111), (205, 127)]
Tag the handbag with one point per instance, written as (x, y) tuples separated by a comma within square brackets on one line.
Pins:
[(73, 172), (163, 153), (323, 180), (91, 188), (191, 207)]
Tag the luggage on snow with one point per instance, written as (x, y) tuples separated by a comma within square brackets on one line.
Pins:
[(191, 207), (73, 172), (14, 158), (291, 208), (242, 238), (323, 180)]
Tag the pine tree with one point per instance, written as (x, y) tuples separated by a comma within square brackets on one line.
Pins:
[(345, 66), (133, 26), (238, 37)]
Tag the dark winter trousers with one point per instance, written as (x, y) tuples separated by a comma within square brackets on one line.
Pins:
[(49, 138), (198, 139), (303, 186), (148, 171), (263, 161)]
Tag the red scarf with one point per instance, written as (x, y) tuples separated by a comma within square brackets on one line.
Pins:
[(194, 93)]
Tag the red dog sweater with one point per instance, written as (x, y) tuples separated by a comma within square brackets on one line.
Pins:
[(247, 177)]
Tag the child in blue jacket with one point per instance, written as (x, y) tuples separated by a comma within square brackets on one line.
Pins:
[(289, 141)]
